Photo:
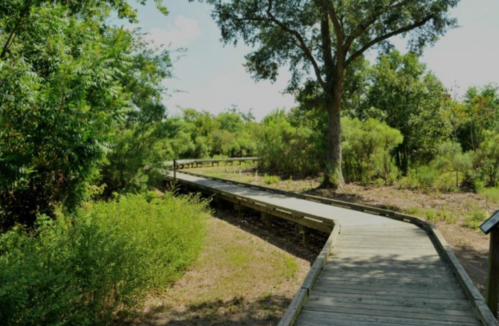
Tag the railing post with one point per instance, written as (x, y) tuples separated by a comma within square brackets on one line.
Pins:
[(174, 169), (493, 281)]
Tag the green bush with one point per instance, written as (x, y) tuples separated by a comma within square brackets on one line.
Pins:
[(366, 150), (490, 194), (446, 182), (474, 219), (271, 179), (98, 265), (426, 177), (289, 149)]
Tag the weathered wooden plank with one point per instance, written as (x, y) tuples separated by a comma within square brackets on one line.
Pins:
[(350, 290), (395, 304), (365, 297), (321, 318), (381, 279), (424, 314), (294, 308), (331, 286)]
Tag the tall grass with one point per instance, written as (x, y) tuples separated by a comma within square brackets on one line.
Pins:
[(98, 265)]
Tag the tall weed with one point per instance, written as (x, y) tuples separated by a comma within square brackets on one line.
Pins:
[(98, 265)]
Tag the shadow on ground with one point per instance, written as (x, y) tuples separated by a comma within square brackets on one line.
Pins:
[(238, 311), (282, 234)]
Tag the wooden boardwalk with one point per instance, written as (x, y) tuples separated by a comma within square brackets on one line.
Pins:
[(373, 271)]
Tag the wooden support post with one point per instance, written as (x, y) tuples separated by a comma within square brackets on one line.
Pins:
[(493, 278), (267, 220), (305, 234), (174, 169), (238, 209)]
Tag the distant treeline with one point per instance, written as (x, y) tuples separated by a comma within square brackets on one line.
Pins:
[(400, 124)]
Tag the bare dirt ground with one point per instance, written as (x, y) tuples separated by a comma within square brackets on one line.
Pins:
[(246, 275), (450, 212)]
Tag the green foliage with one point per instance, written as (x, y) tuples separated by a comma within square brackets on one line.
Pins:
[(451, 160), (481, 113), (64, 76), (271, 179), (326, 38), (60, 98), (101, 263), (487, 158), (288, 149), (426, 177), (490, 194), (407, 97), (136, 156), (366, 150), (474, 219), (195, 134)]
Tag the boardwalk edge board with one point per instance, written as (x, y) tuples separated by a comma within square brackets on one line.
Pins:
[(304, 293), (481, 310)]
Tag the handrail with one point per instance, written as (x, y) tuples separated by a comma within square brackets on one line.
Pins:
[(479, 305), (182, 163)]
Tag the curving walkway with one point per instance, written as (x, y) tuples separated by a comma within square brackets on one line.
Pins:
[(380, 272)]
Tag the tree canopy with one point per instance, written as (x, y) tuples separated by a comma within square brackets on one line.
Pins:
[(319, 40)]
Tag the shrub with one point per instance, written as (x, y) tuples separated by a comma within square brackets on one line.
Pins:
[(474, 219), (490, 194), (289, 149), (410, 181), (366, 150), (446, 182), (426, 177), (98, 265), (271, 179)]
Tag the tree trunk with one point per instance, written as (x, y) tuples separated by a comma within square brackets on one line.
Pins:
[(333, 174)]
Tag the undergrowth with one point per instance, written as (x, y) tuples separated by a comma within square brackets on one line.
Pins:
[(98, 265)]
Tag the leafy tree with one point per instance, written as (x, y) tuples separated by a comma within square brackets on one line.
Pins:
[(62, 94), (137, 153), (487, 158), (408, 98), (452, 159), (325, 37), (482, 113)]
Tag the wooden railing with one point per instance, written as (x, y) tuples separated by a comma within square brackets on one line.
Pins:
[(188, 163)]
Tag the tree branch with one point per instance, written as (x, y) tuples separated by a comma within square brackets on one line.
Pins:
[(371, 20), (303, 46), (23, 13), (338, 29), (387, 36)]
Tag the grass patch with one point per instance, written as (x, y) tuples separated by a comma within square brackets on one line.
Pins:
[(99, 264), (271, 179), (491, 195), (474, 219)]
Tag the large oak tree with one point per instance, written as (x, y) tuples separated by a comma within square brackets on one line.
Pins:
[(321, 39)]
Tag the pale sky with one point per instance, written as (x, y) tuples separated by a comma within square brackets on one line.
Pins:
[(211, 77)]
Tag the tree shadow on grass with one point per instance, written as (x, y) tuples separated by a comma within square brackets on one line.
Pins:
[(261, 311)]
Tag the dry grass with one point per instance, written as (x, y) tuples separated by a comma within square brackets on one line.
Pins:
[(240, 279)]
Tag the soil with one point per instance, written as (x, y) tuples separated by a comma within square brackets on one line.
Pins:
[(224, 288)]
